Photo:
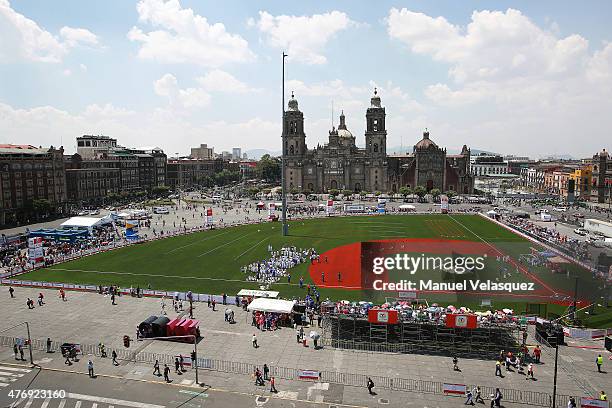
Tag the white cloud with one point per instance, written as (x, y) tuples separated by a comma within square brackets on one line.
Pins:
[(47, 126), (83, 67), (67, 72), (187, 98), (22, 38), (78, 36), (181, 36), (221, 81), (303, 37)]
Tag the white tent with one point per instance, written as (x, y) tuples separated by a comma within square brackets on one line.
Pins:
[(271, 305), (407, 207), (87, 223)]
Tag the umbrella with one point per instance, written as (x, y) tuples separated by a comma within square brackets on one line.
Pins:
[(314, 335)]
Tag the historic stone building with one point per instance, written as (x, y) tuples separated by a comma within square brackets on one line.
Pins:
[(340, 164)]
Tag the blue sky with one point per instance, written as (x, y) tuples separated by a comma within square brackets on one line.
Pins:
[(515, 77)]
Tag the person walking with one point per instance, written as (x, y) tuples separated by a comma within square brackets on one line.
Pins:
[(603, 396), (537, 352), (370, 386), (90, 369), (40, 299), (254, 341), (15, 350), (571, 403), (530, 372), (113, 299), (599, 362), (498, 371), (166, 373), (214, 303), (114, 355), (455, 364), (11, 292), (49, 344), (177, 365), (469, 398), (156, 369), (498, 397), (297, 335), (272, 385), (477, 395), (181, 363), (21, 352)]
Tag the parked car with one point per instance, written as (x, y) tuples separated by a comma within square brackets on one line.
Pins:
[(580, 231)]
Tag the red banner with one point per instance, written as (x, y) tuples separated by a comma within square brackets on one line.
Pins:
[(382, 316), (209, 212), (461, 321)]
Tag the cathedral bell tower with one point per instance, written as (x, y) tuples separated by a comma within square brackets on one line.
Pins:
[(294, 145), (376, 133), (376, 147)]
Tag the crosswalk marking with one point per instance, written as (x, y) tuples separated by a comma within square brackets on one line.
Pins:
[(20, 370), (93, 406), (78, 404), (30, 401), (45, 403), (62, 403), (11, 374), (16, 403), (103, 400), (3, 384)]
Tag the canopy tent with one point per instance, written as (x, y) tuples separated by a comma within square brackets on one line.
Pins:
[(407, 207), (258, 293), (85, 223), (271, 305), (491, 212)]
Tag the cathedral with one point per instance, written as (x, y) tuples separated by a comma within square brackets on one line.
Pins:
[(340, 164)]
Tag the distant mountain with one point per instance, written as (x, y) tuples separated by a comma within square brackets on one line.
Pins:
[(257, 153), (559, 157)]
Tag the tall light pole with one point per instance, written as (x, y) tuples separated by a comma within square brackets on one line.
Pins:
[(283, 192)]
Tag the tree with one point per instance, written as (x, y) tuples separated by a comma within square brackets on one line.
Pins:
[(347, 193), (435, 192), (160, 191), (362, 194), (269, 168), (333, 193), (41, 207), (450, 193), (377, 193), (253, 191), (420, 191), (405, 191)]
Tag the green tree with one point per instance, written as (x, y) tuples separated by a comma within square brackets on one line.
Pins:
[(377, 193), (420, 191), (253, 190), (450, 193), (435, 192), (333, 193), (160, 191), (269, 168), (405, 191), (41, 207), (347, 193)]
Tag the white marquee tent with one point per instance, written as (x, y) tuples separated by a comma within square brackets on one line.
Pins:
[(271, 305)]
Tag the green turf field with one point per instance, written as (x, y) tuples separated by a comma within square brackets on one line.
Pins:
[(210, 261)]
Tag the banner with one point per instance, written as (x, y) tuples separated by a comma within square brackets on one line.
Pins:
[(454, 389), (384, 316), (592, 403), (461, 321), (308, 375), (209, 216)]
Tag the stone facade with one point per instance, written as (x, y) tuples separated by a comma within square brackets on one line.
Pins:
[(340, 164)]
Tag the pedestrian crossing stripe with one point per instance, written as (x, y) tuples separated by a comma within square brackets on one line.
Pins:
[(19, 370), (103, 400)]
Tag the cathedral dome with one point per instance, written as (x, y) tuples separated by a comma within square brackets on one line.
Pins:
[(425, 142), (342, 130), (293, 103)]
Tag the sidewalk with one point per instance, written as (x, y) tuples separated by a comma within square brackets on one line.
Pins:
[(90, 318)]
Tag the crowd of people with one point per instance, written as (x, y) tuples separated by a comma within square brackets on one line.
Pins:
[(271, 270)]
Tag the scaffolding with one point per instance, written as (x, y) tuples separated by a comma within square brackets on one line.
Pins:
[(420, 337)]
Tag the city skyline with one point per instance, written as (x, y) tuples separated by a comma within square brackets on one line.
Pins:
[(523, 79)]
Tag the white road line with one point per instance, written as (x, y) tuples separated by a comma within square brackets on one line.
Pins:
[(103, 400), (254, 246), (94, 405), (30, 401), (62, 403), (78, 404), (11, 374), (7, 379), (16, 403), (45, 403), (20, 370), (198, 241), (3, 384), (227, 243)]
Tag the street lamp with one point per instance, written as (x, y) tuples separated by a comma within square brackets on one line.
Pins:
[(283, 192)]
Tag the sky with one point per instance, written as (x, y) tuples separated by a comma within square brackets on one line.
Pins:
[(523, 77)]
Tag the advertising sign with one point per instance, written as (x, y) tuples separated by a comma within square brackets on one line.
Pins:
[(592, 403), (384, 316), (209, 216), (454, 389), (461, 321), (329, 209), (308, 375)]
